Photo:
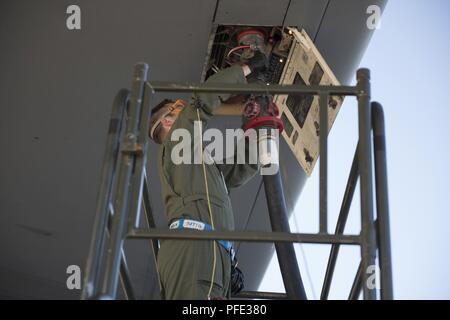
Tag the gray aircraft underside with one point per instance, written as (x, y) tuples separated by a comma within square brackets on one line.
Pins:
[(56, 90)]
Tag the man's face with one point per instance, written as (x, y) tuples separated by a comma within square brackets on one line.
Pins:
[(169, 119)]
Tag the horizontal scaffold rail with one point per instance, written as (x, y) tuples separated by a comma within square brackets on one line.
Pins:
[(160, 86), (248, 236)]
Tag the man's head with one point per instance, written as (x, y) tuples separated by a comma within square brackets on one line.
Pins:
[(162, 118)]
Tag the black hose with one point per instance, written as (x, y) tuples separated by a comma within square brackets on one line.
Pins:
[(285, 251)]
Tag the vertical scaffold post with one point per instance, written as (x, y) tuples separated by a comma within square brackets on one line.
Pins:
[(285, 251), (96, 249), (368, 240), (323, 146), (128, 149), (382, 201)]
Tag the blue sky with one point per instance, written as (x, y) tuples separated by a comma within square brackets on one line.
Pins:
[(409, 60)]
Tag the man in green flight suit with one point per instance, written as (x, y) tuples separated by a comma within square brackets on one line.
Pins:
[(196, 195)]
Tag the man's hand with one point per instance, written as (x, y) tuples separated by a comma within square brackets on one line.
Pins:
[(258, 63)]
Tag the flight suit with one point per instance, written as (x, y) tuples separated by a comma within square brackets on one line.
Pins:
[(185, 266)]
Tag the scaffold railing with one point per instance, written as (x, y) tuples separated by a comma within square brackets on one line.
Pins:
[(124, 194)]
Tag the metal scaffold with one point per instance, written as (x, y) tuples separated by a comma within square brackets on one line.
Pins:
[(124, 193)]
